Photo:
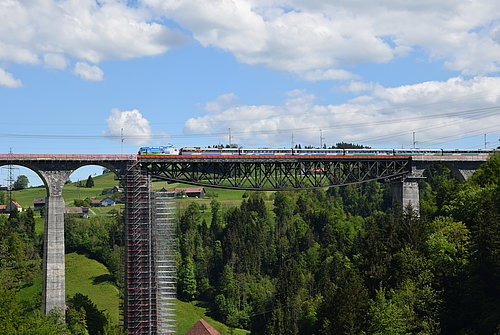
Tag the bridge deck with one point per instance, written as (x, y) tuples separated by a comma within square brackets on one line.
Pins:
[(67, 157), (231, 158)]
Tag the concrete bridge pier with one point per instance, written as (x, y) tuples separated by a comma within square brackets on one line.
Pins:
[(406, 193), (405, 190), (53, 287)]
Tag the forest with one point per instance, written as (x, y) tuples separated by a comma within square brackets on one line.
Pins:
[(346, 261), (327, 261)]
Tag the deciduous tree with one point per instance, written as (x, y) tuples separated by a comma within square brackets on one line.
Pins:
[(21, 183)]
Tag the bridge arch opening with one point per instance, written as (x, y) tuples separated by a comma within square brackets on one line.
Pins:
[(89, 184), (36, 183), (459, 172)]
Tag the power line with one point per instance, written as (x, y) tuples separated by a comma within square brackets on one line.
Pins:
[(478, 113), (423, 130)]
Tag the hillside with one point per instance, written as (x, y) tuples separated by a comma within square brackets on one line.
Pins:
[(71, 191)]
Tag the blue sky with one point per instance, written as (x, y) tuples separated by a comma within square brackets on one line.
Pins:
[(74, 73)]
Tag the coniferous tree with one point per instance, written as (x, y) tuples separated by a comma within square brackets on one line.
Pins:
[(30, 223), (95, 319), (186, 280), (90, 182)]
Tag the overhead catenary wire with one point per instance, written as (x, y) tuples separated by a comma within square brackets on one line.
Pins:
[(428, 128), (474, 114)]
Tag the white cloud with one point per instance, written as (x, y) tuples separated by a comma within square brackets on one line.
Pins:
[(88, 72), (7, 80), (386, 116), (221, 102), (85, 30), (358, 86), (55, 61), (136, 129), (306, 36), (317, 40), (329, 74)]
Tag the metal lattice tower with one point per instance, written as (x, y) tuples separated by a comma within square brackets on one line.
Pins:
[(164, 230), (140, 310)]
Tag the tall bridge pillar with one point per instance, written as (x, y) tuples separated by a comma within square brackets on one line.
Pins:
[(406, 193), (53, 287)]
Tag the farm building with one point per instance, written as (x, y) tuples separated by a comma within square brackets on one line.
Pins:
[(106, 202), (10, 206), (77, 212), (38, 203), (190, 192), (202, 328), (113, 190)]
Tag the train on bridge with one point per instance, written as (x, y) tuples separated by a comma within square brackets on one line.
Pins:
[(198, 151)]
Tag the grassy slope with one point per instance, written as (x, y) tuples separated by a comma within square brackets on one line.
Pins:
[(32, 292), (228, 198), (25, 197), (70, 192), (87, 276)]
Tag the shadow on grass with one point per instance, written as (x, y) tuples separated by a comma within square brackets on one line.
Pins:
[(103, 278)]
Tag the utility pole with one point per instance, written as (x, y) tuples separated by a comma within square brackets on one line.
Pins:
[(10, 179), (229, 136), (321, 138), (121, 141), (292, 139), (414, 140), (485, 143)]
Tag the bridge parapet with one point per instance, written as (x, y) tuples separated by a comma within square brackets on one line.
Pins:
[(63, 157)]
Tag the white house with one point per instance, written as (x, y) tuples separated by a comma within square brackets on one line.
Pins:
[(107, 202)]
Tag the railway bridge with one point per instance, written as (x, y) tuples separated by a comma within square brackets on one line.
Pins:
[(233, 172)]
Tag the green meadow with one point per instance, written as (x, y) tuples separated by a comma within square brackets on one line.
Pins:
[(72, 191)]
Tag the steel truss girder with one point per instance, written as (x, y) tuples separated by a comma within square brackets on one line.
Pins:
[(273, 175)]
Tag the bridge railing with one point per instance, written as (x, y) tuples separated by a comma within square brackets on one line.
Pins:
[(67, 156)]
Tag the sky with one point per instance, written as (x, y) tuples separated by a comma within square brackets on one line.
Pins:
[(109, 76)]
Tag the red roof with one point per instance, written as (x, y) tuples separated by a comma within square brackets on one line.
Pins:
[(16, 204), (202, 328), (188, 189), (3, 207)]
